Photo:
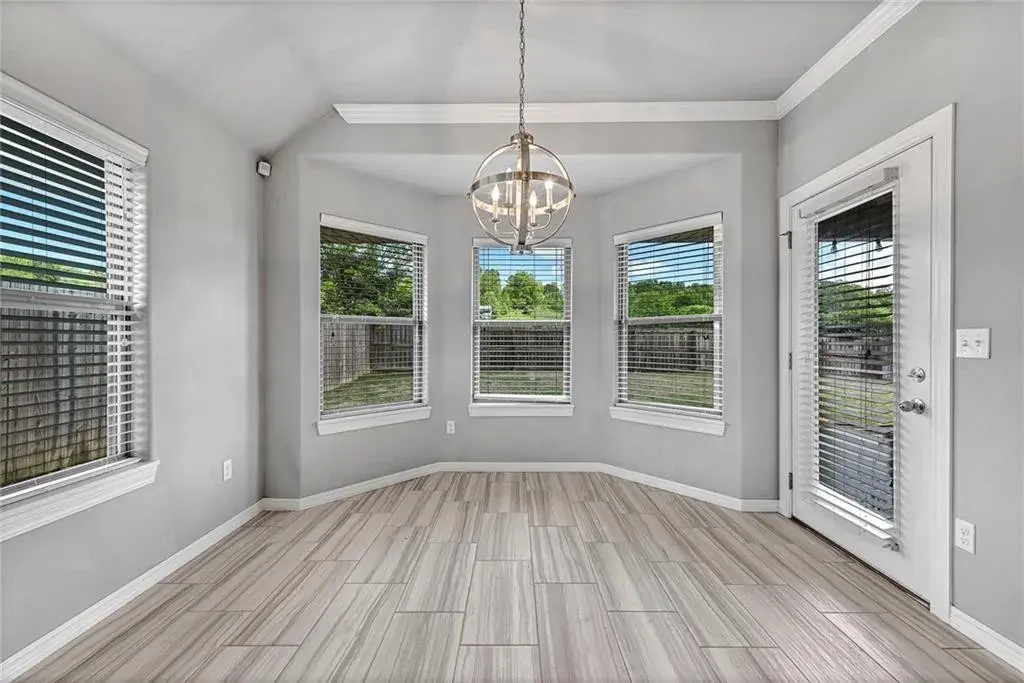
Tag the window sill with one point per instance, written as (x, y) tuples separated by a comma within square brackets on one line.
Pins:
[(46, 507), (351, 423), (689, 423), (520, 409)]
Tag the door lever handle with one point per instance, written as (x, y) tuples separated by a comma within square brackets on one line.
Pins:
[(915, 405)]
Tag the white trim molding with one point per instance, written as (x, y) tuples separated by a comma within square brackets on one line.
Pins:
[(520, 409), (882, 18), (339, 223), (31, 655), (348, 491), (715, 498), (656, 418), (81, 128), (1007, 650), (45, 508), (709, 220), (557, 112), (939, 128), (383, 418)]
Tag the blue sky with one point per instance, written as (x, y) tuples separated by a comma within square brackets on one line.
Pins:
[(680, 262)]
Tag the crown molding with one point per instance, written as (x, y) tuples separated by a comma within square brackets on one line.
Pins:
[(883, 17), (860, 37), (557, 112)]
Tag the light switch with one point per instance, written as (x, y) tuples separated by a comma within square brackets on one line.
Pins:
[(972, 343)]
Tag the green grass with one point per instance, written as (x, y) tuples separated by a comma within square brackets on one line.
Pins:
[(673, 388), (377, 388), (696, 389), (865, 403)]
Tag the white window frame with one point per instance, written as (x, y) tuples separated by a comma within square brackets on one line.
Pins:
[(664, 415), (49, 498), (526, 406), (379, 416)]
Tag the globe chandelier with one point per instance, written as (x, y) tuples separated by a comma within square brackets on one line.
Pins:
[(521, 192)]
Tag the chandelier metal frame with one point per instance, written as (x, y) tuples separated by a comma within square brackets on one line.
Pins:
[(528, 216)]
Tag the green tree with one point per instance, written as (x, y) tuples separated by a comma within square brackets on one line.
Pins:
[(553, 299), (524, 293), (650, 298), (491, 292), (366, 279)]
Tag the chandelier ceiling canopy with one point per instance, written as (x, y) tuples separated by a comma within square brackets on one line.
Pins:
[(521, 193)]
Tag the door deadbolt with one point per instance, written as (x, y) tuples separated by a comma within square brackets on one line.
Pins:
[(917, 374)]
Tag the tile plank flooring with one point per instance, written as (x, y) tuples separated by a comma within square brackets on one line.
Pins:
[(522, 577)]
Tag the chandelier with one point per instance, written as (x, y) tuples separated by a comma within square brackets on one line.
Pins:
[(522, 192)]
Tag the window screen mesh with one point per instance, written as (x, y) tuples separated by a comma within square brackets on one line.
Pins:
[(72, 272), (372, 322), (669, 318), (521, 325)]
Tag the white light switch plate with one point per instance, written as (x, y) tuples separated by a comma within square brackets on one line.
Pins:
[(972, 343), (227, 470), (963, 536)]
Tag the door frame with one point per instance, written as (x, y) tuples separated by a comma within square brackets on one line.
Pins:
[(939, 128)]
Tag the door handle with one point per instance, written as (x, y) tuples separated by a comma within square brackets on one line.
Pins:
[(914, 405)]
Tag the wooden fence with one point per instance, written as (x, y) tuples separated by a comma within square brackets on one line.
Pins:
[(350, 350)]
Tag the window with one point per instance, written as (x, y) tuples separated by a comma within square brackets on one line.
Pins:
[(669, 323), (72, 317), (373, 322), (522, 335)]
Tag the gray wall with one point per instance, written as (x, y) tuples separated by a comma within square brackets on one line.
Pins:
[(299, 462), (305, 182), (743, 462), (970, 54), (203, 267)]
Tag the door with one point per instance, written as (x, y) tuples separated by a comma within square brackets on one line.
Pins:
[(861, 325)]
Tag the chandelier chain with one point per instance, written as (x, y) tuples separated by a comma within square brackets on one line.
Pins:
[(522, 66)]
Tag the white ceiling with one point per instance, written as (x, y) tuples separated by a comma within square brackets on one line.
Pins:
[(451, 174), (266, 69)]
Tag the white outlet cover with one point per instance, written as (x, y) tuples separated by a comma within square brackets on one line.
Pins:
[(963, 536), (449, 427), (227, 470), (972, 343)]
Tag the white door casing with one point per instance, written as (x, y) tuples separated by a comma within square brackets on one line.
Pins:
[(922, 196)]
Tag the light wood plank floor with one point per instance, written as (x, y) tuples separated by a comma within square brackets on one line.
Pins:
[(522, 577)]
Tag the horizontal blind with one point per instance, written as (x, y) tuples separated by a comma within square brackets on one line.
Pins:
[(854, 464), (372, 322), (522, 325), (669, 322), (72, 258)]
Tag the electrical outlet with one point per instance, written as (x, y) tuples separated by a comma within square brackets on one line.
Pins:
[(227, 470), (963, 536), (973, 343), (449, 427)]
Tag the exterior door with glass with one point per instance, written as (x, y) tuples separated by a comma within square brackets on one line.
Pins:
[(860, 316)]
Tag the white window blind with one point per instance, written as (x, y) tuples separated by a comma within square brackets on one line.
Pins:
[(522, 324), (849, 449), (373, 318), (669, 318), (72, 317)]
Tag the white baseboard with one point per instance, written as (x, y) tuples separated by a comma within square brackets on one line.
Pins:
[(1010, 652), (31, 655), (712, 497), (720, 499), (347, 491)]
